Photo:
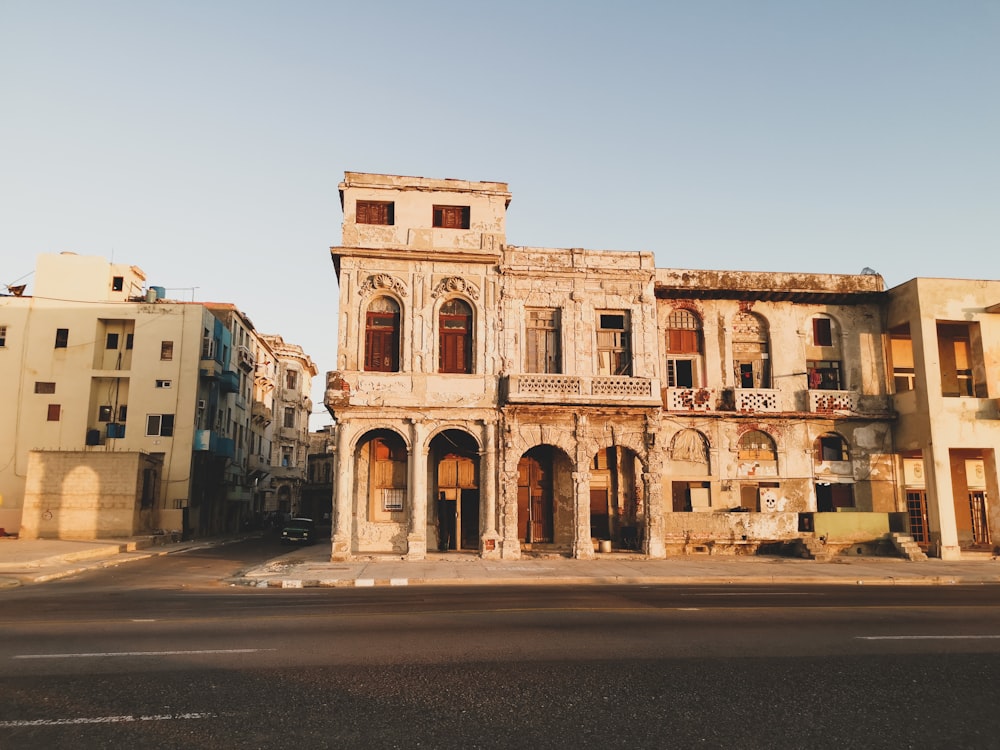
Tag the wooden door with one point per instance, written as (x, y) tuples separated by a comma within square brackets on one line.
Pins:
[(534, 501)]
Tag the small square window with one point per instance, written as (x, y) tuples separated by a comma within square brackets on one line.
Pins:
[(166, 350), (392, 498), (3, 336), (104, 413), (122, 413), (161, 425), (129, 340), (54, 412), (117, 283), (164, 383), (451, 217), (112, 341), (375, 212), (44, 387), (62, 338)]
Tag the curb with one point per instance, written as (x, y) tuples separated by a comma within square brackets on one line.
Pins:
[(302, 583)]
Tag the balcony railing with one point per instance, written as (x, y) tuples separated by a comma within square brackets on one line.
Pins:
[(689, 399), (557, 388), (829, 402), (756, 400)]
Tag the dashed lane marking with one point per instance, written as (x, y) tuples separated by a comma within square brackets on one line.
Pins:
[(143, 653), (103, 720)]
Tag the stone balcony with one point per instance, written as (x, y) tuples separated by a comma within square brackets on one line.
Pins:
[(757, 400), (545, 388), (834, 402), (690, 399)]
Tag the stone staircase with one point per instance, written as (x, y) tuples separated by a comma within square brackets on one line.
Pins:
[(812, 548), (906, 547)]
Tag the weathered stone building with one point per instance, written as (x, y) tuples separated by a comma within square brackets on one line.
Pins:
[(499, 399)]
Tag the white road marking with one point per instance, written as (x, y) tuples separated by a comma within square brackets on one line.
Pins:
[(925, 637), (102, 720), (754, 593), (143, 653)]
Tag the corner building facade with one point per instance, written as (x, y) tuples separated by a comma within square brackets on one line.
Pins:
[(498, 399)]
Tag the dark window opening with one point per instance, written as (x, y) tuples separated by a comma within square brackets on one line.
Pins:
[(455, 342), (111, 342), (451, 217), (161, 425), (614, 345), (375, 212), (62, 338), (822, 332), (831, 448), (382, 336), (542, 349), (829, 497), (824, 375), (117, 283)]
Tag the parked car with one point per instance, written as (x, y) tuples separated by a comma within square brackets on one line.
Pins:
[(299, 531)]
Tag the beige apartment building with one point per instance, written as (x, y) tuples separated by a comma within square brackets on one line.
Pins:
[(502, 400), (944, 354), (131, 412)]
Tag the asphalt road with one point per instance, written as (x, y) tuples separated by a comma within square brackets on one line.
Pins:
[(159, 654)]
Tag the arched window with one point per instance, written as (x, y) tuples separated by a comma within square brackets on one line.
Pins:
[(455, 337), (757, 446), (382, 335), (830, 447), (683, 346), (689, 445), (751, 356)]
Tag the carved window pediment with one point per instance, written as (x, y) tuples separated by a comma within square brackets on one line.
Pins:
[(380, 281), (453, 284)]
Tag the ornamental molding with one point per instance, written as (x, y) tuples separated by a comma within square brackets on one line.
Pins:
[(379, 281), (455, 284)]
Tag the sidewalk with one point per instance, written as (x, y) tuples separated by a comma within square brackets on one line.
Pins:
[(39, 560), (310, 567), (26, 561)]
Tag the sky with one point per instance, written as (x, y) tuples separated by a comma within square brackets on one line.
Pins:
[(203, 140)]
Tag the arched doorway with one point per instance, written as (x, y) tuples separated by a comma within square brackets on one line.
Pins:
[(455, 510), (616, 497), (535, 506)]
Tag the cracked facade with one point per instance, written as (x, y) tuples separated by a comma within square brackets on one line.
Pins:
[(500, 399)]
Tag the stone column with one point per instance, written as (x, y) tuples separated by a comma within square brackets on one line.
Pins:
[(416, 537), (583, 545), (490, 544), (510, 546), (941, 501), (343, 497), (653, 544)]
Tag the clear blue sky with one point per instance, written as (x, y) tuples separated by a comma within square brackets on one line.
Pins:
[(203, 141)]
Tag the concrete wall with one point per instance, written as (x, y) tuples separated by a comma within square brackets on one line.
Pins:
[(82, 495)]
